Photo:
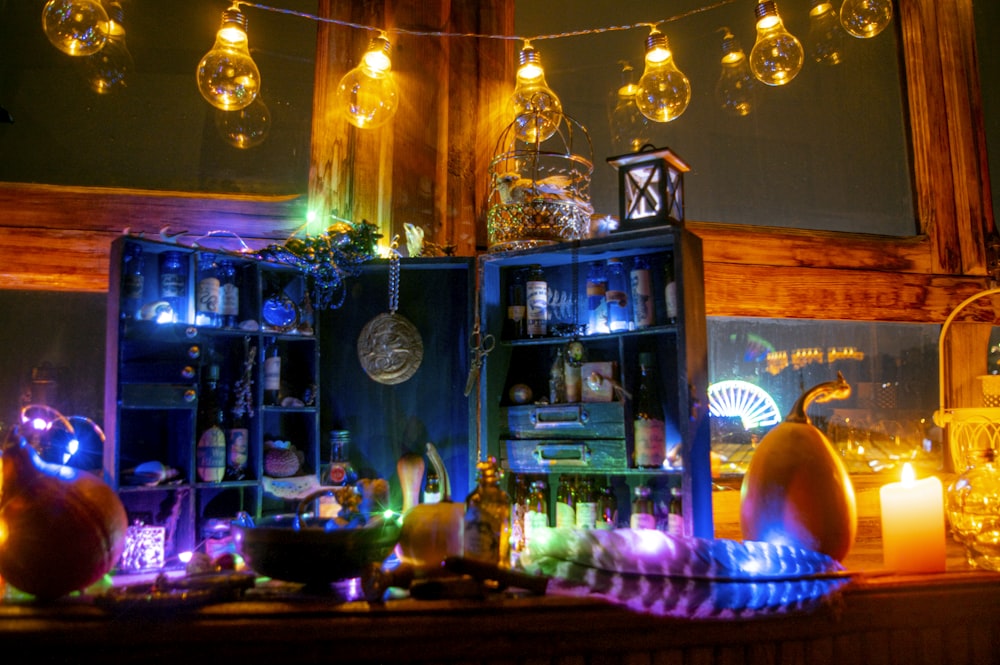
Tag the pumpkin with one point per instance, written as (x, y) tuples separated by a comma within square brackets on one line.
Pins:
[(61, 529), (431, 532), (796, 490)]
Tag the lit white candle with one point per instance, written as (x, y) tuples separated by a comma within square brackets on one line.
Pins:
[(913, 534)]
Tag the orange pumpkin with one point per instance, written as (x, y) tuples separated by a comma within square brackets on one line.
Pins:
[(796, 490), (431, 532), (61, 529)]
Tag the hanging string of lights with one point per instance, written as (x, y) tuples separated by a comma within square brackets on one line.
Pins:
[(367, 95)]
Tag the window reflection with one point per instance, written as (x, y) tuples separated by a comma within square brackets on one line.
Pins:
[(892, 369)]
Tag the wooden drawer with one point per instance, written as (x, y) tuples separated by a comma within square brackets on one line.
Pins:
[(566, 455), (593, 420)]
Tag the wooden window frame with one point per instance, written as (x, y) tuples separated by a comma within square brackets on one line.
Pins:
[(57, 238)]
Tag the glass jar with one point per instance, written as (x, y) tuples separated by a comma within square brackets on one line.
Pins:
[(973, 507)]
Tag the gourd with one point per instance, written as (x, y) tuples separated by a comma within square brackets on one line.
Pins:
[(796, 490), (61, 529), (431, 531)]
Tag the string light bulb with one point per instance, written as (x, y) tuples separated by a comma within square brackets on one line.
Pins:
[(629, 127), (776, 57), (826, 37), (245, 128), (367, 94), (664, 91), (75, 27), (537, 110), (865, 18), (108, 69), (736, 89), (228, 77)]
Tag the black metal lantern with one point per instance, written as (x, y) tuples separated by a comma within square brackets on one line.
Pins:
[(650, 188)]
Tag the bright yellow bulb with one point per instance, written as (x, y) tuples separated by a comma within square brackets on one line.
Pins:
[(75, 27), (228, 77), (367, 95), (777, 56), (865, 18), (537, 110), (664, 91)]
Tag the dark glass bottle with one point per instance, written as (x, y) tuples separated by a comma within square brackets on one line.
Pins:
[(133, 281), (272, 373), (565, 502), (586, 504), (641, 284), (607, 508), (229, 294), (173, 285), (675, 518), (340, 472), (649, 433), (516, 307), (211, 446), (643, 509)]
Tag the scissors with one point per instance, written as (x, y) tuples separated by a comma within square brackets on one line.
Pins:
[(480, 345)]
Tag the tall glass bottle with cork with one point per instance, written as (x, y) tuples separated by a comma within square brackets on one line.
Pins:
[(487, 517), (649, 431)]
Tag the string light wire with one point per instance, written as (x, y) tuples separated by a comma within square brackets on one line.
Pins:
[(474, 35)]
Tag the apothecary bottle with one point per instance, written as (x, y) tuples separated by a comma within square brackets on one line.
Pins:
[(340, 472), (173, 285), (565, 502), (207, 296), (643, 510), (670, 288), (586, 504), (536, 515), (211, 446), (675, 513), (537, 302), (516, 306), (617, 296), (597, 306), (487, 517), (641, 283), (133, 281), (229, 294), (973, 507), (272, 373), (607, 509), (649, 431)]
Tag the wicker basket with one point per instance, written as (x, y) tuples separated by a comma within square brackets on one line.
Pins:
[(539, 193)]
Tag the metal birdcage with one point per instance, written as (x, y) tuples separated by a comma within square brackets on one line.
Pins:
[(540, 192), (969, 428)]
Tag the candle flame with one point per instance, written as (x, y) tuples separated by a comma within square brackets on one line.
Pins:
[(908, 476)]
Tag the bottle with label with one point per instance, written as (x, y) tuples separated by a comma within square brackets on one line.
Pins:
[(238, 448), (565, 502), (537, 302), (586, 504), (518, 507), (642, 293), (133, 281), (536, 515), (617, 296), (643, 509), (340, 472), (516, 306), (207, 299), (649, 432), (670, 291), (607, 509), (272, 373), (432, 487), (597, 306), (487, 517), (229, 295), (173, 286), (211, 449), (675, 516)]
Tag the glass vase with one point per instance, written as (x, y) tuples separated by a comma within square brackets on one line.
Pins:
[(973, 506)]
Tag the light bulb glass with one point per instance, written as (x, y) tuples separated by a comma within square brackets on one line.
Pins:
[(629, 127), (245, 128), (228, 77), (75, 27), (865, 18), (736, 89), (664, 91), (536, 109), (367, 95), (777, 56), (826, 37), (108, 69)]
